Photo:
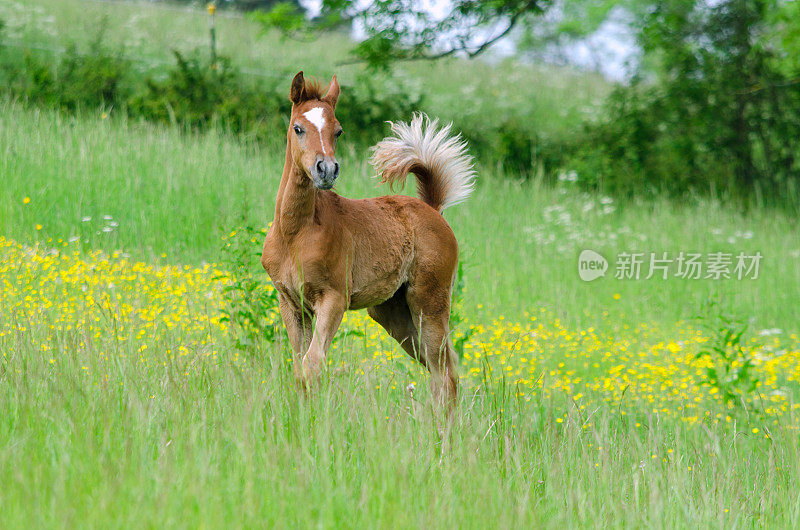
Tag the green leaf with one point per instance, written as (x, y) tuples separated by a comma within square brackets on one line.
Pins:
[(284, 16)]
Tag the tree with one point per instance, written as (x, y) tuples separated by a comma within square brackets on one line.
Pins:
[(714, 100), (402, 30), (717, 71)]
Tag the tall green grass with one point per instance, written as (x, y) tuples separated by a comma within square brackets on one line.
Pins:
[(143, 446)]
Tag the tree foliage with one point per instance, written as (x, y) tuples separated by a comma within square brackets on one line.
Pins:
[(716, 102), (406, 30)]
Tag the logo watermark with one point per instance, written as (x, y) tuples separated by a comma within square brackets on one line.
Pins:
[(665, 265), (591, 265)]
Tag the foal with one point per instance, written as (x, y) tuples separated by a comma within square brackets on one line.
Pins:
[(394, 255)]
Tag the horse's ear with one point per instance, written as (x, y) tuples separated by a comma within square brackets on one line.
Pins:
[(296, 94), (332, 95)]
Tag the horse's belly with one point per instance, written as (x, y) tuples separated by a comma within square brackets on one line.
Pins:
[(373, 295), (377, 284)]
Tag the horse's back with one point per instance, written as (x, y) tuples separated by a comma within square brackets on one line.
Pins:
[(397, 216)]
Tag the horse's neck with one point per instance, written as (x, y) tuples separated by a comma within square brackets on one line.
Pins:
[(294, 205)]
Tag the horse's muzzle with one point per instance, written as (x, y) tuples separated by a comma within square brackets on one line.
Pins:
[(325, 172)]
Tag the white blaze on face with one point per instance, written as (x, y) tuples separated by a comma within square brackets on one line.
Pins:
[(318, 120)]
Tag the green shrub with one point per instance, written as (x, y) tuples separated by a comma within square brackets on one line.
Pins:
[(513, 145), (460, 330), (729, 362), (197, 94), (75, 80), (250, 302), (365, 106), (520, 151)]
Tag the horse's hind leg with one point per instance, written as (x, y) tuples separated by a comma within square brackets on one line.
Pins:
[(414, 314), (430, 310), (395, 317)]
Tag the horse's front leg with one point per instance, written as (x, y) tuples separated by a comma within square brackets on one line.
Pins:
[(299, 328), (329, 310)]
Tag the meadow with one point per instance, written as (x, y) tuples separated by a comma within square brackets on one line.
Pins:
[(124, 400)]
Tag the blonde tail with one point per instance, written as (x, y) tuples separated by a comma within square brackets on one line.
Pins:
[(444, 171)]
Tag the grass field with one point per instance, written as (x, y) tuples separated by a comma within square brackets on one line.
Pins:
[(123, 401)]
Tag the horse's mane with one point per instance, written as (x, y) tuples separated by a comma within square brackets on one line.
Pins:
[(313, 90)]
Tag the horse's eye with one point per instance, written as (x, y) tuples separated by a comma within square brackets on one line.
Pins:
[(298, 129), (338, 133)]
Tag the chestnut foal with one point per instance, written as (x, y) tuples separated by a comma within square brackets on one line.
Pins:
[(394, 255)]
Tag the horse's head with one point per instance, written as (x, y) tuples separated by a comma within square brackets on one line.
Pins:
[(313, 131)]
